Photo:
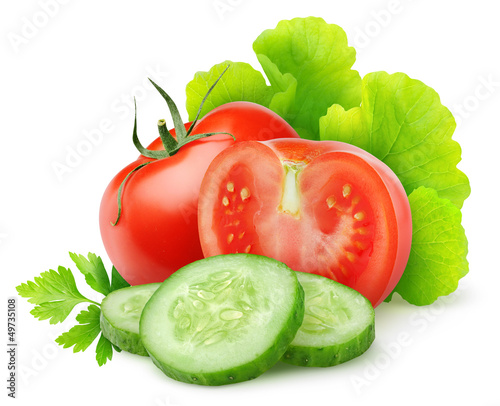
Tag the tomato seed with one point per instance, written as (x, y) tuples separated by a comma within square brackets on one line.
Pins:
[(245, 194), (359, 216), (225, 201), (346, 190), (359, 245), (362, 230), (230, 238), (350, 256), (230, 187), (330, 201), (343, 270)]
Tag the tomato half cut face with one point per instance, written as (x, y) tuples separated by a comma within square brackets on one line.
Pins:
[(326, 207)]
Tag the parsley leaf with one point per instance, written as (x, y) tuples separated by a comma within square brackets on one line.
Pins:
[(104, 350), (85, 332), (54, 293), (117, 281), (94, 271)]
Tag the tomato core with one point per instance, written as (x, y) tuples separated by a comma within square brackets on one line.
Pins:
[(290, 200)]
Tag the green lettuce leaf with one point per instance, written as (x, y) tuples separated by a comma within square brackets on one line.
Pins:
[(316, 54), (308, 65), (284, 88), (241, 82), (403, 123), (438, 257)]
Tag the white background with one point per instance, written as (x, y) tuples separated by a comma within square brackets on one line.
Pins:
[(70, 77)]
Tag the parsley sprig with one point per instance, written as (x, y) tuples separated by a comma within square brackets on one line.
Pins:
[(55, 295)]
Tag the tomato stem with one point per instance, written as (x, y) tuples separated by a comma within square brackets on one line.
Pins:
[(167, 139), (120, 191), (170, 144), (180, 130), (143, 150)]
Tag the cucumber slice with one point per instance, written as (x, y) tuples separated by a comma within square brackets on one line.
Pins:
[(120, 314), (223, 319), (339, 324)]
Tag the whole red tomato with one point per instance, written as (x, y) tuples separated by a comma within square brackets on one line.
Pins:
[(322, 207), (157, 231)]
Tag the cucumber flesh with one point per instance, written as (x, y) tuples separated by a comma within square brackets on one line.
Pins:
[(223, 319), (120, 314), (339, 324)]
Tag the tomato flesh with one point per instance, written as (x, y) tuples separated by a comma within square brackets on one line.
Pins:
[(236, 203), (345, 221), (322, 208)]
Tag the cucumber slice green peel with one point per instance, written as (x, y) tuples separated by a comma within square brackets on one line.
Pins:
[(120, 314), (223, 319), (339, 324)]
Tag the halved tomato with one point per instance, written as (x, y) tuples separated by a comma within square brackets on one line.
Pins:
[(323, 207)]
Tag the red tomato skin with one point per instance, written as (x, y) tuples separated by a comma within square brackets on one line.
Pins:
[(378, 281), (158, 229)]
